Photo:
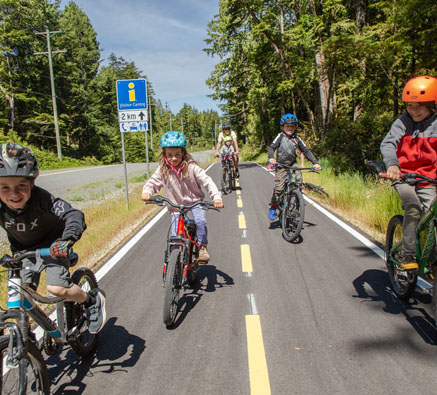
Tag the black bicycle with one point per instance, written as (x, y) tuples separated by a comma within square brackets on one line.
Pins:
[(22, 367), (181, 261), (228, 174), (291, 204)]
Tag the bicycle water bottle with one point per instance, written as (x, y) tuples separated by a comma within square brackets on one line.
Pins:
[(14, 293)]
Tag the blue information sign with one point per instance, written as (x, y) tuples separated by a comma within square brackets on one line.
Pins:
[(131, 95)]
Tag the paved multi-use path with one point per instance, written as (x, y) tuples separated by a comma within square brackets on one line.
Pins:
[(266, 316)]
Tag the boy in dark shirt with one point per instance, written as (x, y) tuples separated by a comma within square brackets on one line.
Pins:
[(286, 144), (34, 219)]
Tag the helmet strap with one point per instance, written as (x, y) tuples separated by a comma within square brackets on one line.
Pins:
[(175, 170)]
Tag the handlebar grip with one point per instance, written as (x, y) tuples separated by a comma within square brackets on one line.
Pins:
[(44, 252)]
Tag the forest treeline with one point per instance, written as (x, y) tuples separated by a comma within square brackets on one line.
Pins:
[(85, 88), (340, 65)]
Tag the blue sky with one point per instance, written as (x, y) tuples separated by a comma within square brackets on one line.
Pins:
[(164, 38)]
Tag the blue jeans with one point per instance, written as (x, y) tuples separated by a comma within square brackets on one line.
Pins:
[(199, 219)]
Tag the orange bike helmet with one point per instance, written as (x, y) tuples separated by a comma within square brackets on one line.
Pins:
[(420, 89)]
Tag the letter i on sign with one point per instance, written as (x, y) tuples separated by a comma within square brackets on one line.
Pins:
[(131, 91)]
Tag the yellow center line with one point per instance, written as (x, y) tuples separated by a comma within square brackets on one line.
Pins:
[(238, 192), (237, 184), (239, 203), (241, 221), (258, 373), (246, 260)]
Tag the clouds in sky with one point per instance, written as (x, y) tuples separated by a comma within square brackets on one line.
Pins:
[(164, 38)]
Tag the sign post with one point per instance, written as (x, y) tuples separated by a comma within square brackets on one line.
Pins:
[(132, 116)]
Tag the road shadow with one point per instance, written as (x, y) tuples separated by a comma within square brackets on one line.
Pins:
[(117, 350), (209, 279), (374, 286), (247, 165)]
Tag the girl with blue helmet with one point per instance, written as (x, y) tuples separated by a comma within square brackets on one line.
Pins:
[(182, 179)]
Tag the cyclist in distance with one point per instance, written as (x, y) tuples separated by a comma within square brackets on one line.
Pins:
[(34, 219), (182, 179), (226, 131), (411, 147), (286, 144)]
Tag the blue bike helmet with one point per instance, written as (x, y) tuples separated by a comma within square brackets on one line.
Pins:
[(17, 161), (289, 119), (173, 139)]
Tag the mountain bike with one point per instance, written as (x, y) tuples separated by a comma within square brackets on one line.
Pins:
[(291, 204), (404, 282), (228, 174), (181, 261), (23, 369)]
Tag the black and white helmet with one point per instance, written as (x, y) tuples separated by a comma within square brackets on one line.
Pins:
[(17, 161)]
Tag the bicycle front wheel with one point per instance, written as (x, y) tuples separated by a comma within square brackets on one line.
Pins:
[(31, 372), (225, 180), (232, 179), (84, 342), (403, 283), (293, 214), (173, 283)]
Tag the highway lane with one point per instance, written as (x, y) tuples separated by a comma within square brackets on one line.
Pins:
[(311, 317)]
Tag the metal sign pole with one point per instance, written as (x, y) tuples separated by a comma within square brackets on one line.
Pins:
[(147, 154), (125, 171)]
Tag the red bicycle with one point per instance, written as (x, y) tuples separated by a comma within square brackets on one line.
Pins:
[(181, 261)]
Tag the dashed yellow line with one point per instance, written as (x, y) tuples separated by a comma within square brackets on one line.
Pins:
[(238, 192), (239, 203), (246, 259), (258, 373), (237, 184), (241, 221)]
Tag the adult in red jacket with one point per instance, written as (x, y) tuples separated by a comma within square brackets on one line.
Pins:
[(411, 147)]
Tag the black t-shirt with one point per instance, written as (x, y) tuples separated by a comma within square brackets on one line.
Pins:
[(43, 220)]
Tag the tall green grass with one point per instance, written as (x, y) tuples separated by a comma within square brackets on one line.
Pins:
[(364, 200)]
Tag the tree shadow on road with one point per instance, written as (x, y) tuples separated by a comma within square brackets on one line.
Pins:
[(374, 286), (209, 279), (117, 350)]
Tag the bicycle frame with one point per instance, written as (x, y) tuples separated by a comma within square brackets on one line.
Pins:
[(427, 222), (182, 240)]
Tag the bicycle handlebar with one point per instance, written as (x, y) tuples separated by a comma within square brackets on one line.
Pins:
[(295, 168), (11, 261), (159, 200), (412, 178)]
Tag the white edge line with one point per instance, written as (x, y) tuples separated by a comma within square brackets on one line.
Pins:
[(123, 251), (372, 246)]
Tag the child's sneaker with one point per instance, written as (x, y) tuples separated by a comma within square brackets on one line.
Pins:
[(96, 313), (203, 255), (272, 213)]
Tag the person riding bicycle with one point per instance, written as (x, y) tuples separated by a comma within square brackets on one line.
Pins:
[(286, 144), (35, 219), (411, 147), (226, 131), (182, 178)]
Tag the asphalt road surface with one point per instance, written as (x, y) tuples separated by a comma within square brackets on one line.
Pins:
[(266, 316)]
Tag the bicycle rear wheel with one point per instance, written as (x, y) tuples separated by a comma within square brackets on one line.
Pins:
[(84, 342), (293, 214), (403, 283), (173, 282), (32, 372)]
